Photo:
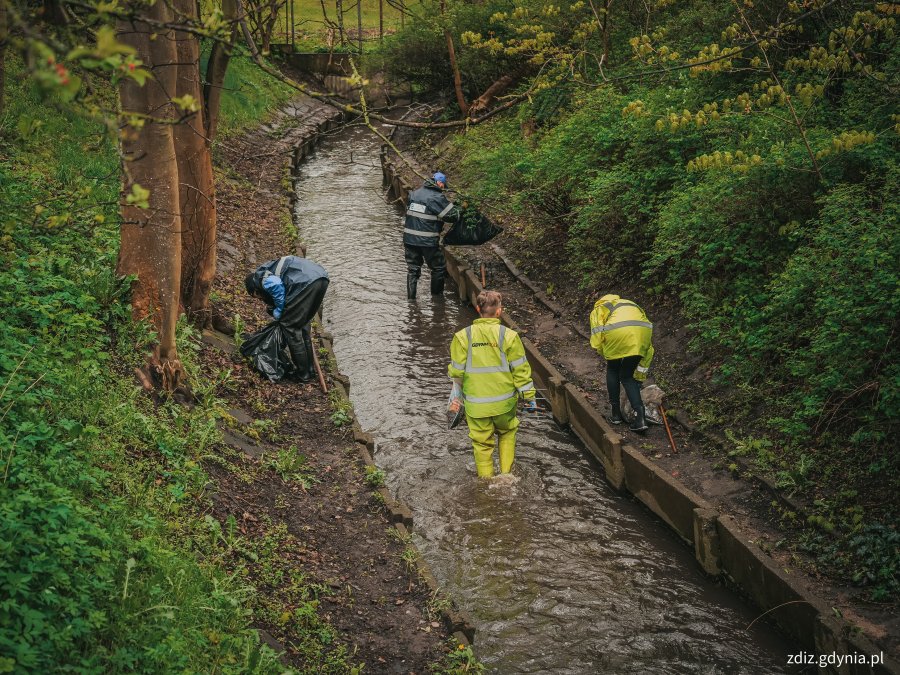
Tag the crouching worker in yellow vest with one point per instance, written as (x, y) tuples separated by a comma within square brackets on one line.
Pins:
[(488, 359), (622, 334)]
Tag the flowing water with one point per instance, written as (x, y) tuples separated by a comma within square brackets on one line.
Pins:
[(559, 573)]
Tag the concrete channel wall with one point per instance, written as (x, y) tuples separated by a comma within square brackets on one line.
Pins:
[(316, 63), (720, 549), (458, 622)]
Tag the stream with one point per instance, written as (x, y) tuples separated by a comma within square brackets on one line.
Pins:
[(560, 573)]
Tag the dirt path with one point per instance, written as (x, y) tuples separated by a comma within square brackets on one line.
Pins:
[(323, 557), (559, 326)]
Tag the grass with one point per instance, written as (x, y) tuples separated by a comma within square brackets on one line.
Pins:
[(292, 465), (105, 562), (312, 32), (459, 659), (374, 477), (342, 414), (251, 95)]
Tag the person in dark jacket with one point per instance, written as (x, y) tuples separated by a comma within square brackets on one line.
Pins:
[(293, 289), (426, 214)]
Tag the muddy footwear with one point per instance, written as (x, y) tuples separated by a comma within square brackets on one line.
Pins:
[(639, 423), (411, 283), (616, 415)]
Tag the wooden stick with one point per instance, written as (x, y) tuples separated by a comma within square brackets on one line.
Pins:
[(668, 430), (483, 281), (318, 368)]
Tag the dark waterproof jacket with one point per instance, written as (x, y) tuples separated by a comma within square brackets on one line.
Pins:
[(304, 284), (426, 213), (297, 274)]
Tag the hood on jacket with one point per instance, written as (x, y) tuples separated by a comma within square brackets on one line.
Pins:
[(253, 282), (609, 297)]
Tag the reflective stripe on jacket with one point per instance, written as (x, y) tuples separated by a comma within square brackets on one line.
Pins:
[(426, 214), (490, 359), (620, 328)]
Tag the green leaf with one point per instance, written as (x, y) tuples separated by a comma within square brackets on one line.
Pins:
[(107, 44), (139, 197), (187, 103), (140, 75)]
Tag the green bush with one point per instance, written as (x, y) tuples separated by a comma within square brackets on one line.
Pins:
[(99, 487), (785, 269), (826, 323)]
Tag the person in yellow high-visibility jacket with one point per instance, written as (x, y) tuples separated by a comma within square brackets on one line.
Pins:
[(488, 360), (622, 334)]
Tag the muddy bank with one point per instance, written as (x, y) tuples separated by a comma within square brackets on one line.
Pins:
[(547, 322), (319, 518)]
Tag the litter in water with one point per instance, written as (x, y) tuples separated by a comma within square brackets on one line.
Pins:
[(456, 409)]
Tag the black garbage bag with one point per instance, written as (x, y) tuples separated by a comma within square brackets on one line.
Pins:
[(268, 350), (284, 348), (471, 229)]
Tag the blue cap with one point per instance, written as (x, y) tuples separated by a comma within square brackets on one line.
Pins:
[(439, 178)]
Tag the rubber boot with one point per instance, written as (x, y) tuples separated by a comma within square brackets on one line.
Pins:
[(411, 283), (437, 284), (639, 423), (616, 416), (311, 373)]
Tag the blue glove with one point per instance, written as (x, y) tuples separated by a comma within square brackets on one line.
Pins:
[(531, 406), (277, 314)]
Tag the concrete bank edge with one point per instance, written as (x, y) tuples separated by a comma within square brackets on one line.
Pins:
[(719, 547)]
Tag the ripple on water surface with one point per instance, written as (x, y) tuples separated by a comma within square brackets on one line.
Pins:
[(559, 573)]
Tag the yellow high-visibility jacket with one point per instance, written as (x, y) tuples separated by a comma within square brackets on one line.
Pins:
[(490, 360), (620, 328)]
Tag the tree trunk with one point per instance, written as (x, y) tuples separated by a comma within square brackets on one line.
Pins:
[(215, 80), (500, 86), (151, 237), (606, 27), (216, 68), (55, 13), (195, 178), (339, 8), (4, 36), (457, 79), (268, 25), (481, 103)]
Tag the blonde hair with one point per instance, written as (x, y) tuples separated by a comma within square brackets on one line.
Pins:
[(488, 302)]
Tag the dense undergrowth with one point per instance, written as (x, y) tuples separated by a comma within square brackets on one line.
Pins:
[(106, 562), (779, 241)]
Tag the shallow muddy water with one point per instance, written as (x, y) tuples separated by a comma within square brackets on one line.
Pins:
[(559, 573)]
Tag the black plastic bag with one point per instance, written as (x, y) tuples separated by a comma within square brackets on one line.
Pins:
[(283, 348), (471, 229), (267, 348)]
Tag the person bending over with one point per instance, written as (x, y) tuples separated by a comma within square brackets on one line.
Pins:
[(622, 334), (293, 289)]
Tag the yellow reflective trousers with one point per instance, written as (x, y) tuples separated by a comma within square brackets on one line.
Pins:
[(482, 431)]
